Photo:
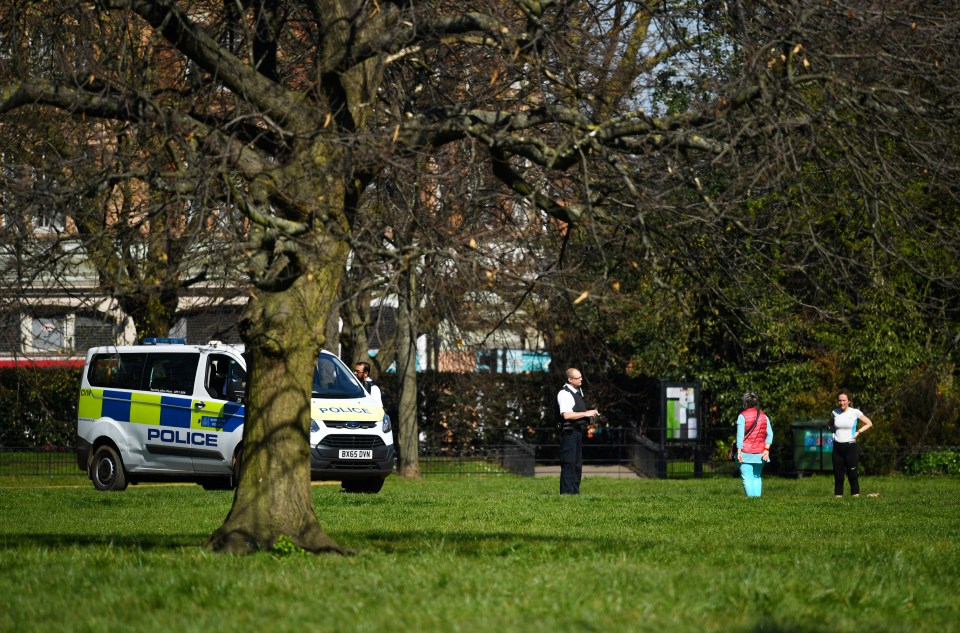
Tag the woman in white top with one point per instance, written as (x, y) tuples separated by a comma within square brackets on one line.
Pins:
[(846, 455)]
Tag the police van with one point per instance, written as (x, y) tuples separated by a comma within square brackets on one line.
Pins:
[(168, 411)]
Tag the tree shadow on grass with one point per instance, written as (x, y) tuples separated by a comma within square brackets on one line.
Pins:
[(404, 542), (485, 544), (466, 544), (157, 542)]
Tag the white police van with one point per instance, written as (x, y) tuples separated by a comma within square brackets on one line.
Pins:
[(168, 411)]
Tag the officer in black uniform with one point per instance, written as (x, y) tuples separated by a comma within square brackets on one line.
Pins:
[(362, 372), (574, 416)]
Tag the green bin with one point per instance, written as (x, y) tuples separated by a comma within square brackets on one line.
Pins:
[(812, 445)]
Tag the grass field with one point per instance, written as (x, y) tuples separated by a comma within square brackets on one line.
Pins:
[(495, 553)]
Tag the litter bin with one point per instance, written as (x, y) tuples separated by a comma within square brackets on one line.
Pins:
[(812, 445)]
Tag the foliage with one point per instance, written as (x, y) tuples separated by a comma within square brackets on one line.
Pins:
[(456, 410), (286, 548), (831, 262), (945, 462), (39, 406), (459, 411)]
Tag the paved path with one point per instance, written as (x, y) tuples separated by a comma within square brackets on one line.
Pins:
[(616, 471)]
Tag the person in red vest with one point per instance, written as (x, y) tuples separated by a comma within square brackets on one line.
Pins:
[(754, 437)]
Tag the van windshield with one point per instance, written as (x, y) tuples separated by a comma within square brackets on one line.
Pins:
[(332, 379)]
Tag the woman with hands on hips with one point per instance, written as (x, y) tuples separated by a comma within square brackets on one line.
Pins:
[(754, 437), (846, 454)]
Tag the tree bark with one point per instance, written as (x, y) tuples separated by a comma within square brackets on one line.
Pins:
[(409, 461), (283, 332)]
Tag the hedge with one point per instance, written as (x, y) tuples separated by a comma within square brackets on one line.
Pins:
[(38, 406)]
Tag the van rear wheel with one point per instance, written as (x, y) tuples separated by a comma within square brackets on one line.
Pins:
[(368, 486), (106, 470)]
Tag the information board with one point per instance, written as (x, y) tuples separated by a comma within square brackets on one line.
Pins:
[(680, 410)]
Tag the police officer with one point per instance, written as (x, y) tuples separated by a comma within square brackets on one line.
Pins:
[(362, 372), (574, 416)]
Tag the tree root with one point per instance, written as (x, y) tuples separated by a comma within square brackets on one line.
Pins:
[(240, 542)]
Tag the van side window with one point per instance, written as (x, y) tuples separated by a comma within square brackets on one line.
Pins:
[(116, 371), (225, 378), (171, 373)]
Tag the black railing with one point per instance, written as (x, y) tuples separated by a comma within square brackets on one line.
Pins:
[(38, 461), (646, 458), (445, 460), (634, 454), (519, 457)]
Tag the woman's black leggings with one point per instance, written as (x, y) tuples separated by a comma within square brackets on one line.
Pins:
[(846, 458)]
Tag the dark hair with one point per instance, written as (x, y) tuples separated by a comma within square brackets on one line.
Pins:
[(750, 399), (365, 366), (844, 392)]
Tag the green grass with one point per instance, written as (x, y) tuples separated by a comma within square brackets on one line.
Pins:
[(492, 554)]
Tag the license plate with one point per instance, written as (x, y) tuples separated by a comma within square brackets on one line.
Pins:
[(355, 454)]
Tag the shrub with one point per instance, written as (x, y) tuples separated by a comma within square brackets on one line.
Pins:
[(39, 407), (940, 462)]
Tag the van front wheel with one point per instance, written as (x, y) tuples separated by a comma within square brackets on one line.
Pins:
[(106, 470)]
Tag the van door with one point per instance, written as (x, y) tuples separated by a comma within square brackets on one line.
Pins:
[(218, 412), (161, 411)]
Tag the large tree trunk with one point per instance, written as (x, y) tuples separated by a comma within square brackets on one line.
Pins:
[(283, 332), (409, 460)]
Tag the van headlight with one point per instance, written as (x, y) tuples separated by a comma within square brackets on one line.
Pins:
[(385, 425), (314, 426)]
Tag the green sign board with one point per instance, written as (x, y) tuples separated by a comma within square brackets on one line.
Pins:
[(680, 408)]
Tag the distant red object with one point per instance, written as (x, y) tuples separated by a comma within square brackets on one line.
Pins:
[(46, 362)]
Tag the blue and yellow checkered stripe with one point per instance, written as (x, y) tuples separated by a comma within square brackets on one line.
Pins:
[(159, 410)]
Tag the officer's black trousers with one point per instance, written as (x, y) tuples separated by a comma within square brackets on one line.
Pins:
[(571, 461)]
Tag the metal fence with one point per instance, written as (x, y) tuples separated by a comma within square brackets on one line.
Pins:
[(38, 461), (646, 458), (630, 453)]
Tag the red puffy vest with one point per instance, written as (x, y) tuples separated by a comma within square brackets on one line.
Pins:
[(755, 440)]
